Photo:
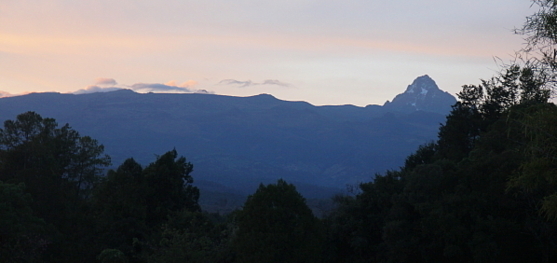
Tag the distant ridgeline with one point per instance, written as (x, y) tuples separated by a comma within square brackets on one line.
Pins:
[(235, 143)]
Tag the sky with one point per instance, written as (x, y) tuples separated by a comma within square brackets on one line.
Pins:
[(324, 52)]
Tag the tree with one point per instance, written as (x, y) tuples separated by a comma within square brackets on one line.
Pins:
[(276, 225), (58, 168), (191, 237), (538, 172), (35, 151), (22, 234), (475, 195), (169, 187), (133, 204), (355, 228), (479, 106), (120, 209), (540, 30)]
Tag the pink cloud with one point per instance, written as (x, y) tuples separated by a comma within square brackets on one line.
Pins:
[(109, 84), (105, 81), (188, 84)]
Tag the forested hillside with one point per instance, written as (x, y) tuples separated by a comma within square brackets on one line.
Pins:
[(238, 142), (484, 192)]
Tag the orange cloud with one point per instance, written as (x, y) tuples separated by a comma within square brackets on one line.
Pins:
[(188, 84)]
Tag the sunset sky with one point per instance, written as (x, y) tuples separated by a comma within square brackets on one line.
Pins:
[(325, 52)]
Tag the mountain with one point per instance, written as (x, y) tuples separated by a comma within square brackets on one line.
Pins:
[(236, 143), (423, 94)]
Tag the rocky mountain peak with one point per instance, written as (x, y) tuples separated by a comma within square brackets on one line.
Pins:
[(422, 85), (424, 95)]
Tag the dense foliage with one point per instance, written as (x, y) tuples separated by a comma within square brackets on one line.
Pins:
[(486, 191), (276, 225), (483, 193), (56, 206)]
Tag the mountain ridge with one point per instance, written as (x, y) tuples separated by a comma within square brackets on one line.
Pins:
[(239, 142)]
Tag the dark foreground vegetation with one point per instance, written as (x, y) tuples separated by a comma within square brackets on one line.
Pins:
[(486, 191)]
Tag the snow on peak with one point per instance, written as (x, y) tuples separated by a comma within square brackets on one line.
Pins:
[(422, 85), (423, 94)]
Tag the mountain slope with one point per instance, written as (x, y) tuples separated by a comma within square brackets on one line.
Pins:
[(235, 143)]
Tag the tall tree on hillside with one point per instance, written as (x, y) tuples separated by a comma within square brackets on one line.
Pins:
[(276, 225), (58, 168), (169, 187), (35, 151), (120, 207), (537, 174), (133, 205), (482, 105)]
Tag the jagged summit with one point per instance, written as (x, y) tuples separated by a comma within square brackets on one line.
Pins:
[(422, 85), (423, 94)]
